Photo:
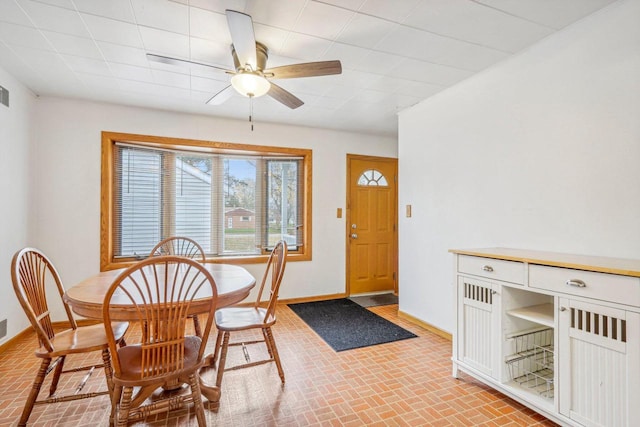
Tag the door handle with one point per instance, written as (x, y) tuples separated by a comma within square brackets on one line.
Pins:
[(354, 236)]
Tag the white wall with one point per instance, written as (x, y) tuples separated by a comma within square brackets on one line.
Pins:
[(539, 152), (68, 186), (15, 168)]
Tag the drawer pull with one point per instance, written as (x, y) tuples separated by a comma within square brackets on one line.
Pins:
[(577, 283), (487, 268)]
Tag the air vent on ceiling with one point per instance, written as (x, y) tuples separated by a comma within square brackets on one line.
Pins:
[(4, 96)]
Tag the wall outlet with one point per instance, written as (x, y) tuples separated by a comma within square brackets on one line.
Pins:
[(3, 328)]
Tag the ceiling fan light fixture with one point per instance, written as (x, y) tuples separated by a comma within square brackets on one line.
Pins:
[(250, 84)]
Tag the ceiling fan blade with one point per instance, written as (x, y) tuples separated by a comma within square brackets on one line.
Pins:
[(283, 96), (308, 69), (242, 37), (183, 62), (221, 96)]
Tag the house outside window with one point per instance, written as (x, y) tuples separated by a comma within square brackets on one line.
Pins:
[(240, 218), (236, 201)]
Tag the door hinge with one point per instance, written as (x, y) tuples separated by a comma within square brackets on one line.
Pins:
[(394, 275)]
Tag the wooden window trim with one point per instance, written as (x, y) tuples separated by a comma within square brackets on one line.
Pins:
[(108, 208)]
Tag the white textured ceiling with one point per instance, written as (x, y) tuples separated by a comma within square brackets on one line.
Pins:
[(394, 53)]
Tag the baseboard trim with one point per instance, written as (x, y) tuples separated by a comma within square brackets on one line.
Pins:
[(425, 325)]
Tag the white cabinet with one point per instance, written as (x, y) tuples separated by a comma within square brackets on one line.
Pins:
[(599, 364), (479, 316), (559, 333)]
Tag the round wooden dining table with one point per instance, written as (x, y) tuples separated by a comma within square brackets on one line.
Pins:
[(234, 283)]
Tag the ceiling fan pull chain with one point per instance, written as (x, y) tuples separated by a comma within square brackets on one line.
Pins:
[(251, 111)]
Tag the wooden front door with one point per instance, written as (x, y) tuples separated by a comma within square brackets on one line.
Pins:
[(371, 224)]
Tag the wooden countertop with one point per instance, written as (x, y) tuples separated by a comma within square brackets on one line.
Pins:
[(621, 266)]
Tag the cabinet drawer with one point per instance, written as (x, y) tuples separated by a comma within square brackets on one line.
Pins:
[(508, 271), (588, 284)]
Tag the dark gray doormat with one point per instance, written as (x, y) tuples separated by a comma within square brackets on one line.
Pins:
[(375, 300), (345, 325)]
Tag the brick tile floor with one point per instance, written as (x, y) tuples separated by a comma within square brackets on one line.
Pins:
[(405, 383)]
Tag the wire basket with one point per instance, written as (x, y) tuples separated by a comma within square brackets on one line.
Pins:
[(531, 365)]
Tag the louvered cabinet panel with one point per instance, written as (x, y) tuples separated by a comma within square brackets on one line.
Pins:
[(478, 319), (599, 364)]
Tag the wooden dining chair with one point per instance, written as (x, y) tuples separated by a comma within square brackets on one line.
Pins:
[(182, 246), (160, 292), (261, 315), (31, 274)]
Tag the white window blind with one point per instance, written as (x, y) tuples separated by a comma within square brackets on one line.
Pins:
[(231, 204), (139, 201)]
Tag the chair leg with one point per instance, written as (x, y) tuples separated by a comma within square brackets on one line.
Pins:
[(196, 326), (274, 349), (123, 409), (56, 376), (108, 370), (33, 394), (223, 357), (216, 351), (115, 399), (266, 341), (196, 395)]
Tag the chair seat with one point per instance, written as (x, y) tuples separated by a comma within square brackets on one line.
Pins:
[(239, 318), (131, 358), (82, 339)]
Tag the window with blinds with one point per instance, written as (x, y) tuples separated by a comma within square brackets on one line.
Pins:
[(236, 202)]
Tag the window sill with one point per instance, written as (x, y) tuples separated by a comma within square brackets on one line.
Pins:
[(254, 259)]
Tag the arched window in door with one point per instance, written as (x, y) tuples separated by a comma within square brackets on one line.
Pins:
[(372, 177)]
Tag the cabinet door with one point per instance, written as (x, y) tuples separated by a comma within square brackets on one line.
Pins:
[(478, 324), (599, 356)]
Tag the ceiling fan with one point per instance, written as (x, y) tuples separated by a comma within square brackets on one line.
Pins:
[(251, 78)]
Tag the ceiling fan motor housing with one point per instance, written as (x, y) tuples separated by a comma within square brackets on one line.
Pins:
[(262, 54)]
